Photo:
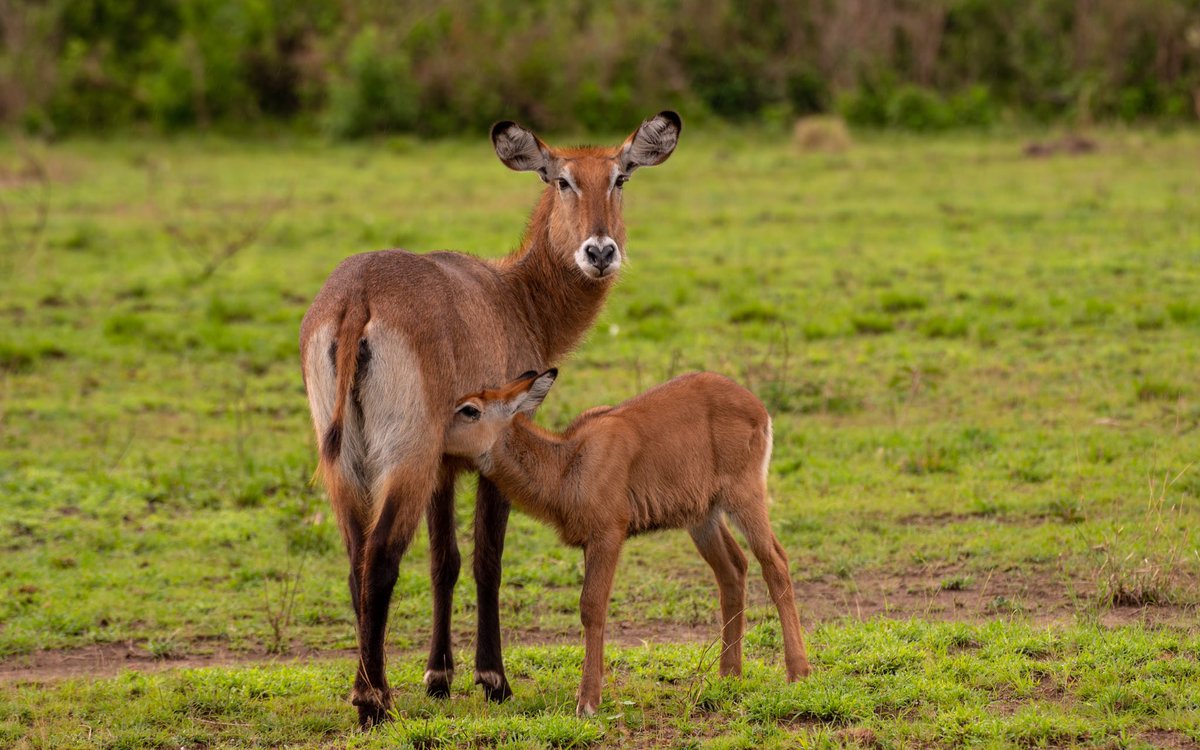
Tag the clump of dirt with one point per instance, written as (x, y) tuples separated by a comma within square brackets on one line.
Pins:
[(1069, 145), (857, 736), (1169, 739)]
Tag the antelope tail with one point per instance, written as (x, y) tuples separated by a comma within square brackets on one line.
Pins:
[(350, 352)]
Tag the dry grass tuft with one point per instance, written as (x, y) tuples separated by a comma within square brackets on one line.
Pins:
[(1132, 567), (821, 135)]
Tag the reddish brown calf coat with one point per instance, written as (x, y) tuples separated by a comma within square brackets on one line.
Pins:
[(681, 455)]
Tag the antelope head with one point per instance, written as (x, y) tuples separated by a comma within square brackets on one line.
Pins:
[(481, 419), (584, 187)]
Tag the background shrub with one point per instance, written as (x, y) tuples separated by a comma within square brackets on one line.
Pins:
[(365, 67)]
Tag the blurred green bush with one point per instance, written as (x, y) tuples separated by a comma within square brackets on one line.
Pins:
[(361, 67)]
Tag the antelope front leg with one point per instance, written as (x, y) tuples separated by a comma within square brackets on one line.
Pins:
[(491, 520), (444, 565), (599, 566)]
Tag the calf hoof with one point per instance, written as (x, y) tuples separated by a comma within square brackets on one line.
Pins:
[(495, 686), (438, 682), (795, 675), (372, 704), (585, 708)]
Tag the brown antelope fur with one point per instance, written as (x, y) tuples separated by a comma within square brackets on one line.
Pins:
[(681, 455), (393, 338)]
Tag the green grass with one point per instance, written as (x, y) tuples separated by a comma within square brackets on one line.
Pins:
[(906, 683), (982, 371)]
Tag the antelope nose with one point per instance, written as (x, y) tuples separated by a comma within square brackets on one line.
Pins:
[(601, 257)]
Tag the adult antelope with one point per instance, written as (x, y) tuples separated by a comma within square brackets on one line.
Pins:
[(682, 455), (393, 338)]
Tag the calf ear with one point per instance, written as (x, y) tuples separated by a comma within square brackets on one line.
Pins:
[(652, 142), (528, 402), (523, 151)]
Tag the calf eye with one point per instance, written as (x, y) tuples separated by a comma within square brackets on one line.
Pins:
[(468, 411), (563, 184), (620, 181)]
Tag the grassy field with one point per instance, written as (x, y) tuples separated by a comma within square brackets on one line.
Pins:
[(983, 370)]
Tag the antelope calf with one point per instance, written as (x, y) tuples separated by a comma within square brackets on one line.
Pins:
[(681, 455)]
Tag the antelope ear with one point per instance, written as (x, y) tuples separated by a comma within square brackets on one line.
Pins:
[(532, 397), (652, 142), (523, 151)]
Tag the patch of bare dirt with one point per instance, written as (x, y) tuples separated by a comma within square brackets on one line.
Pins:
[(113, 658), (857, 736), (944, 592), (107, 659), (951, 593), (1169, 739), (1005, 707), (942, 519), (621, 633)]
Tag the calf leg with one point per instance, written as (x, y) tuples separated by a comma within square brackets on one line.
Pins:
[(491, 521), (721, 552), (752, 517), (444, 565), (599, 565)]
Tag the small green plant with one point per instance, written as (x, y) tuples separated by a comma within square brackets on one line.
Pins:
[(1184, 311), (1030, 469), (1003, 605), (899, 302), (754, 313), (988, 507), (945, 327), (1067, 510), (930, 458), (22, 356), (872, 324), (956, 583), (167, 647), (278, 607), (1150, 320), (998, 300), (1158, 390), (643, 310), (300, 524)]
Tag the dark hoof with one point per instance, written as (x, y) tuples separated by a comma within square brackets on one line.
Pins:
[(495, 686), (373, 706), (371, 716), (438, 682)]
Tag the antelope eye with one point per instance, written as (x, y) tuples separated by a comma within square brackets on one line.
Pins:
[(620, 181), (468, 411), (563, 184)]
